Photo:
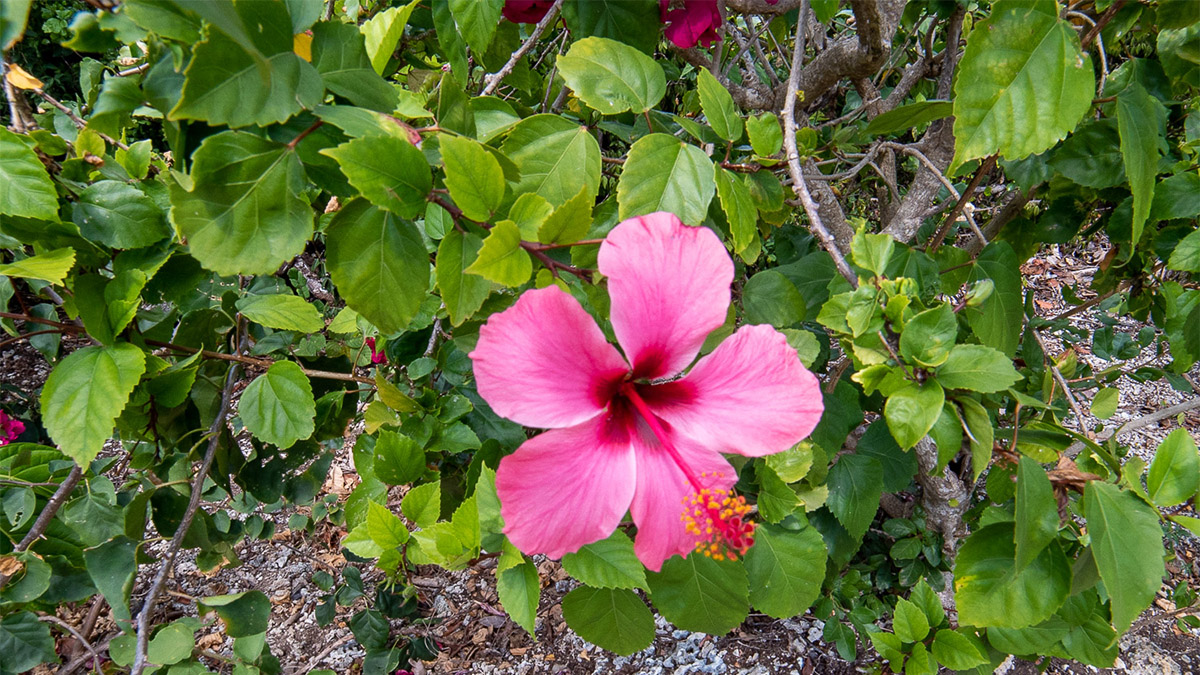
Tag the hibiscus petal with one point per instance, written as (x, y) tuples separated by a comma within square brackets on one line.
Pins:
[(663, 488), (544, 362), (695, 22), (567, 488), (669, 285), (750, 396)]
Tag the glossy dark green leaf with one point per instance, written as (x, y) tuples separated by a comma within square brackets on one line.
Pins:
[(339, 54), (785, 569), (701, 594), (855, 484), (615, 619), (608, 563)]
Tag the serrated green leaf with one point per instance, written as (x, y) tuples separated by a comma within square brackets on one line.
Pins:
[(989, 591), (519, 588), (1127, 544), (119, 216), (378, 263), (956, 651), (555, 156), (51, 266), (244, 213), (612, 77), (910, 622), (909, 116), (477, 20), (615, 619), (25, 188), (389, 171), (785, 570), (278, 406), (422, 504), (281, 312), (340, 56), (701, 594), (382, 33), (977, 368), (501, 259), (473, 176), (738, 207), (770, 298), (569, 222), (1036, 515), (244, 614), (384, 527), (1175, 472), (463, 293), (718, 106), (1141, 120), (929, 336), (912, 410), (664, 174), (399, 460), (855, 484), (766, 136), (608, 563), (998, 321), (84, 394)]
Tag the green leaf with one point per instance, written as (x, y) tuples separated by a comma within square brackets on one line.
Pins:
[(920, 662), (929, 336), (998, 321), (555, 156), (855, 485), (382, 33), (716, 101), (25, 642), (977, 368), (614, 619), (1037, 512), (172, 643), (612, 77), (1175, 472), (519, 588), (378, 263), (1127, 544), (112, 567), (463, 293), (663, 173), (385, 528), (278, 406), (608, 563), (776, 500), (422, 504), (244, 213), (909, 622), (477, 20), (246, 72), (568, 223), (502, 259), (701, 594), (389, 171), (1179, 197), (119, 216), (766, 136), (473, 176), (399, 460), (84, 394), (634, 22), (929, 602), (32, 581), (909, 116), (1022, 84), (25, 188), (1092, 155), (1141, 120), (770, 298), (340, 56), (244, 614), (785, 570), (990, 592), (281, 312), (872, 251), (13, 16), (956, 651), (793, 464), (738, 207), (912, 410), (1104, 403), (51, 266)]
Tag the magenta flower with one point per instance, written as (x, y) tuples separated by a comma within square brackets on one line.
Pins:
[(691, 22), (625, 433), (10, 428), (377, 357), (526, 11)]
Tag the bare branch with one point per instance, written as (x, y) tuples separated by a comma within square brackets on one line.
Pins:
[(47, 514), (493, 81)]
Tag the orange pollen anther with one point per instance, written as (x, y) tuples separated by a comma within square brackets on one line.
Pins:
[(719, 521)]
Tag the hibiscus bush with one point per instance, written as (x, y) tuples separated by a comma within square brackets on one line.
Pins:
[(717, 303)]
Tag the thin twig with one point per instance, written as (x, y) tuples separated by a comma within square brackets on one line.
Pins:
[(214, 430), (134, 70), (76, 119), (793, 155), (49, 618), (303, 134), (1062, 382), (1138, 423), (24, 336), (47, 514), (493, 81), (984, 169), (1102, 22)]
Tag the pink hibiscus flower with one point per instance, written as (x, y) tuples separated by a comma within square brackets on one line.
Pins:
[(526, 11), (625, 433), (10, 428), (377, 357)]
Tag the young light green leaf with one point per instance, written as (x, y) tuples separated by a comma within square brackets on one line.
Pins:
[(389, 171), (766, 137), (278, 406), (912, 410), (957, 651), (569, 222), (84, 394), (909, 622), (1104, 403), (519, 588), (663, 173), (473, 176), (501, 259), (477, 20), (738, 207), (422, 504), (929, 336), (383, 31), (281, 312), (385, 528), (555, 156), (615, 619), (51, 266), (977, 368), (612, 77), (1175, 472), (25, 188)]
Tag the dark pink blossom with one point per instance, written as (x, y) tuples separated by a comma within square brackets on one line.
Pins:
[(526, 11), (10, 428), (377, 357), (627, 433), (691, 21)]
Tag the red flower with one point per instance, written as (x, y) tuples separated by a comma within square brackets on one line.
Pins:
[(691, 22), (377, 357), (527, 11), (9, 428)]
